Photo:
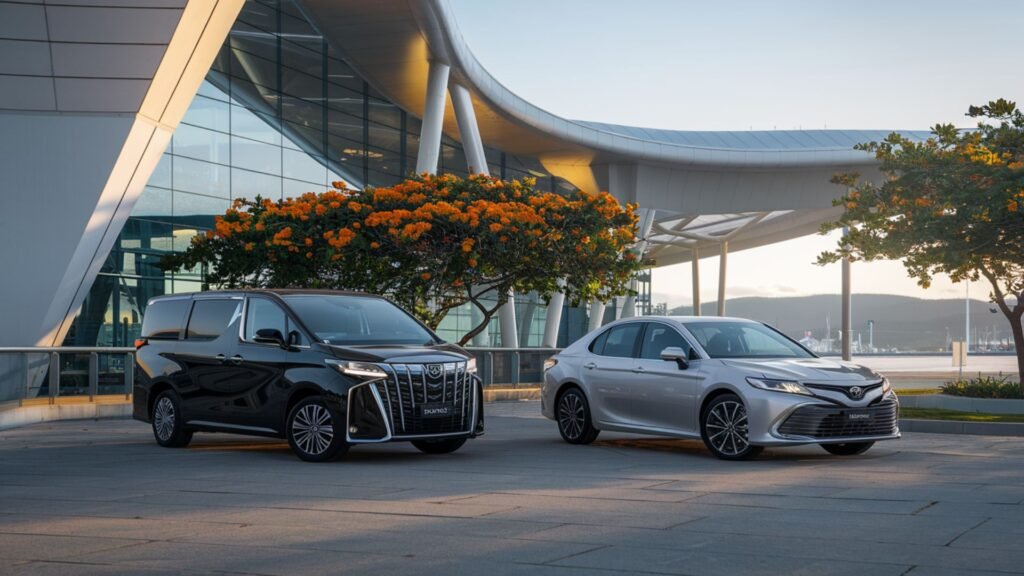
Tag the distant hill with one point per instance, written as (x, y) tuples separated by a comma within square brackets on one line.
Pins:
[(900, 322)]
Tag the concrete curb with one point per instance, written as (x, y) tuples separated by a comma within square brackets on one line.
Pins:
[(26, 415), (961, 427), (962, 404)]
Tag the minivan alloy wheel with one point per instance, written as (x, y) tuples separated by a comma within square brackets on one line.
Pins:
[(313, 429), (163, 418), (726, 428)]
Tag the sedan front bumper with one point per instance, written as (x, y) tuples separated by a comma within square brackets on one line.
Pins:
[(826, 423)]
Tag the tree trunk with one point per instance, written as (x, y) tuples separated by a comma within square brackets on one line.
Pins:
[(1018, 345)]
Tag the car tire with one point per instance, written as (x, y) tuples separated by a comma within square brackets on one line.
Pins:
[(848, 448), (316, 431), (439, 446), (573, 414), (168, 425), (723, 427)]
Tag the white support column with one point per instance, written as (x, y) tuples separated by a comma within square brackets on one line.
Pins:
[(507, 320), (723, 260), (433, 118), (695, 266), (554, 319), (596, 314), (476, 160)]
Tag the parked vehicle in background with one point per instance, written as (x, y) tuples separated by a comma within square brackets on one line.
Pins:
[(737, 384), (326, 370)]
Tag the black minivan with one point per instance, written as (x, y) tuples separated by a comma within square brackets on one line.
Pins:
[(323, 369)]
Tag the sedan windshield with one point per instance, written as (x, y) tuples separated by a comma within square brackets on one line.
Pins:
[(357, 320), (744, 340)]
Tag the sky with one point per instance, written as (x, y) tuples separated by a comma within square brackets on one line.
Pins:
[(762, 65)]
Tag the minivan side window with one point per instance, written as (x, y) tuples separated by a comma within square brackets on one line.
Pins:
[(164, 319), (262, 314), (621, 341), (660, 336), (211, 316)]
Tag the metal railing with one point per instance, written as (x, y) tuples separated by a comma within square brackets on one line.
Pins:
[(511, 366), (59, 372), (34, 373)]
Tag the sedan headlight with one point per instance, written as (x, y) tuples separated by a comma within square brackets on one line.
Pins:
[(471, 366), (550, 363), (788, 386), (364, 370)]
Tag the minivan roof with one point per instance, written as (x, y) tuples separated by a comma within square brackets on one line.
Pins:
[(276, 291)]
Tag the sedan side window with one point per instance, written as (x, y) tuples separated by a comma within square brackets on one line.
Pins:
[(621, 341), (661, 336)]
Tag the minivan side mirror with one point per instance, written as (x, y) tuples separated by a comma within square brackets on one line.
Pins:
[(270, 336), (678, 354)]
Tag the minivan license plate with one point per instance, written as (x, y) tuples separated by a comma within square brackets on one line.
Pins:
[(436, 410)]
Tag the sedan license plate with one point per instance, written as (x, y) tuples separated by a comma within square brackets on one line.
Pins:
[(436, 410), (858, 416)]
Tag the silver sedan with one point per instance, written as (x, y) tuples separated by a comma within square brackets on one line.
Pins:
[(737, 384)]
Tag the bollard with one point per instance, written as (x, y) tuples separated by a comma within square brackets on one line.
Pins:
[(94, 376)]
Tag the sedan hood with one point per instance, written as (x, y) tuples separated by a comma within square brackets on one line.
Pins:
[(806, 370), (401, 354)]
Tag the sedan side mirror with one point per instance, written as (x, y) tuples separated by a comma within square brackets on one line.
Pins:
[(678, 354), (270, 336)]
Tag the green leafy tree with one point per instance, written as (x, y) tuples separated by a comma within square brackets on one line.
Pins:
[(952, 204), (432, 243)]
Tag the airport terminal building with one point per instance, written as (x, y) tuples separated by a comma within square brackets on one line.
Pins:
[(126, 126)]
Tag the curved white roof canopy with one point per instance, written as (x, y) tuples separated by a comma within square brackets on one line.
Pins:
[(750, 188)]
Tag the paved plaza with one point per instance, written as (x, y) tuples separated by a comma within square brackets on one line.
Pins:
[(99, 497)]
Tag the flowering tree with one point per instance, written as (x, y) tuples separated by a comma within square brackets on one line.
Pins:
[(432, 243), (953, 204)]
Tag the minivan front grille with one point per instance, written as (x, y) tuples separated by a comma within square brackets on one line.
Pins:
[(428, 399), (879, 419)]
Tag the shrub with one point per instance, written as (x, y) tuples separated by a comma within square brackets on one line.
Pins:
[(984, 387)]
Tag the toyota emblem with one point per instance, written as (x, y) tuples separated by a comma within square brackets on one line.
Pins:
[(856, 392), (434, 370)]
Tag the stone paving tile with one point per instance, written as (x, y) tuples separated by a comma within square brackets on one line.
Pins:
[(98, 497)]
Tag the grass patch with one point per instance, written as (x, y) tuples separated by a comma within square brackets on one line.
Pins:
[(940, 414), (917, 391)]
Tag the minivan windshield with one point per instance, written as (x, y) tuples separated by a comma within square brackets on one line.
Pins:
[(357, 320), (744, 340)]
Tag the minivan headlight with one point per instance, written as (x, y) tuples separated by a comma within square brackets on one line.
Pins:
[(471, 365), (358, 369), (788, 386), (886, 386)]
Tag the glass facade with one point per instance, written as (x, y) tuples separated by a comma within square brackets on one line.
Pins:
[(279, 114)]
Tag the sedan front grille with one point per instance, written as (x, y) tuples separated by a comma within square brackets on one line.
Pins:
[(414, 394), (880, 419)]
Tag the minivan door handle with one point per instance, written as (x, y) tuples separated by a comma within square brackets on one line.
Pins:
[(221, 358), (590, 365), (236, 359)]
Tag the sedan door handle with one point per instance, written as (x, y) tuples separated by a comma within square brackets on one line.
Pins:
[(590, 365), (639, 369), (236, 359)]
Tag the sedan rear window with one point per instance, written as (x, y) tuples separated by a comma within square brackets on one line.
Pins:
[(619, 341)]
